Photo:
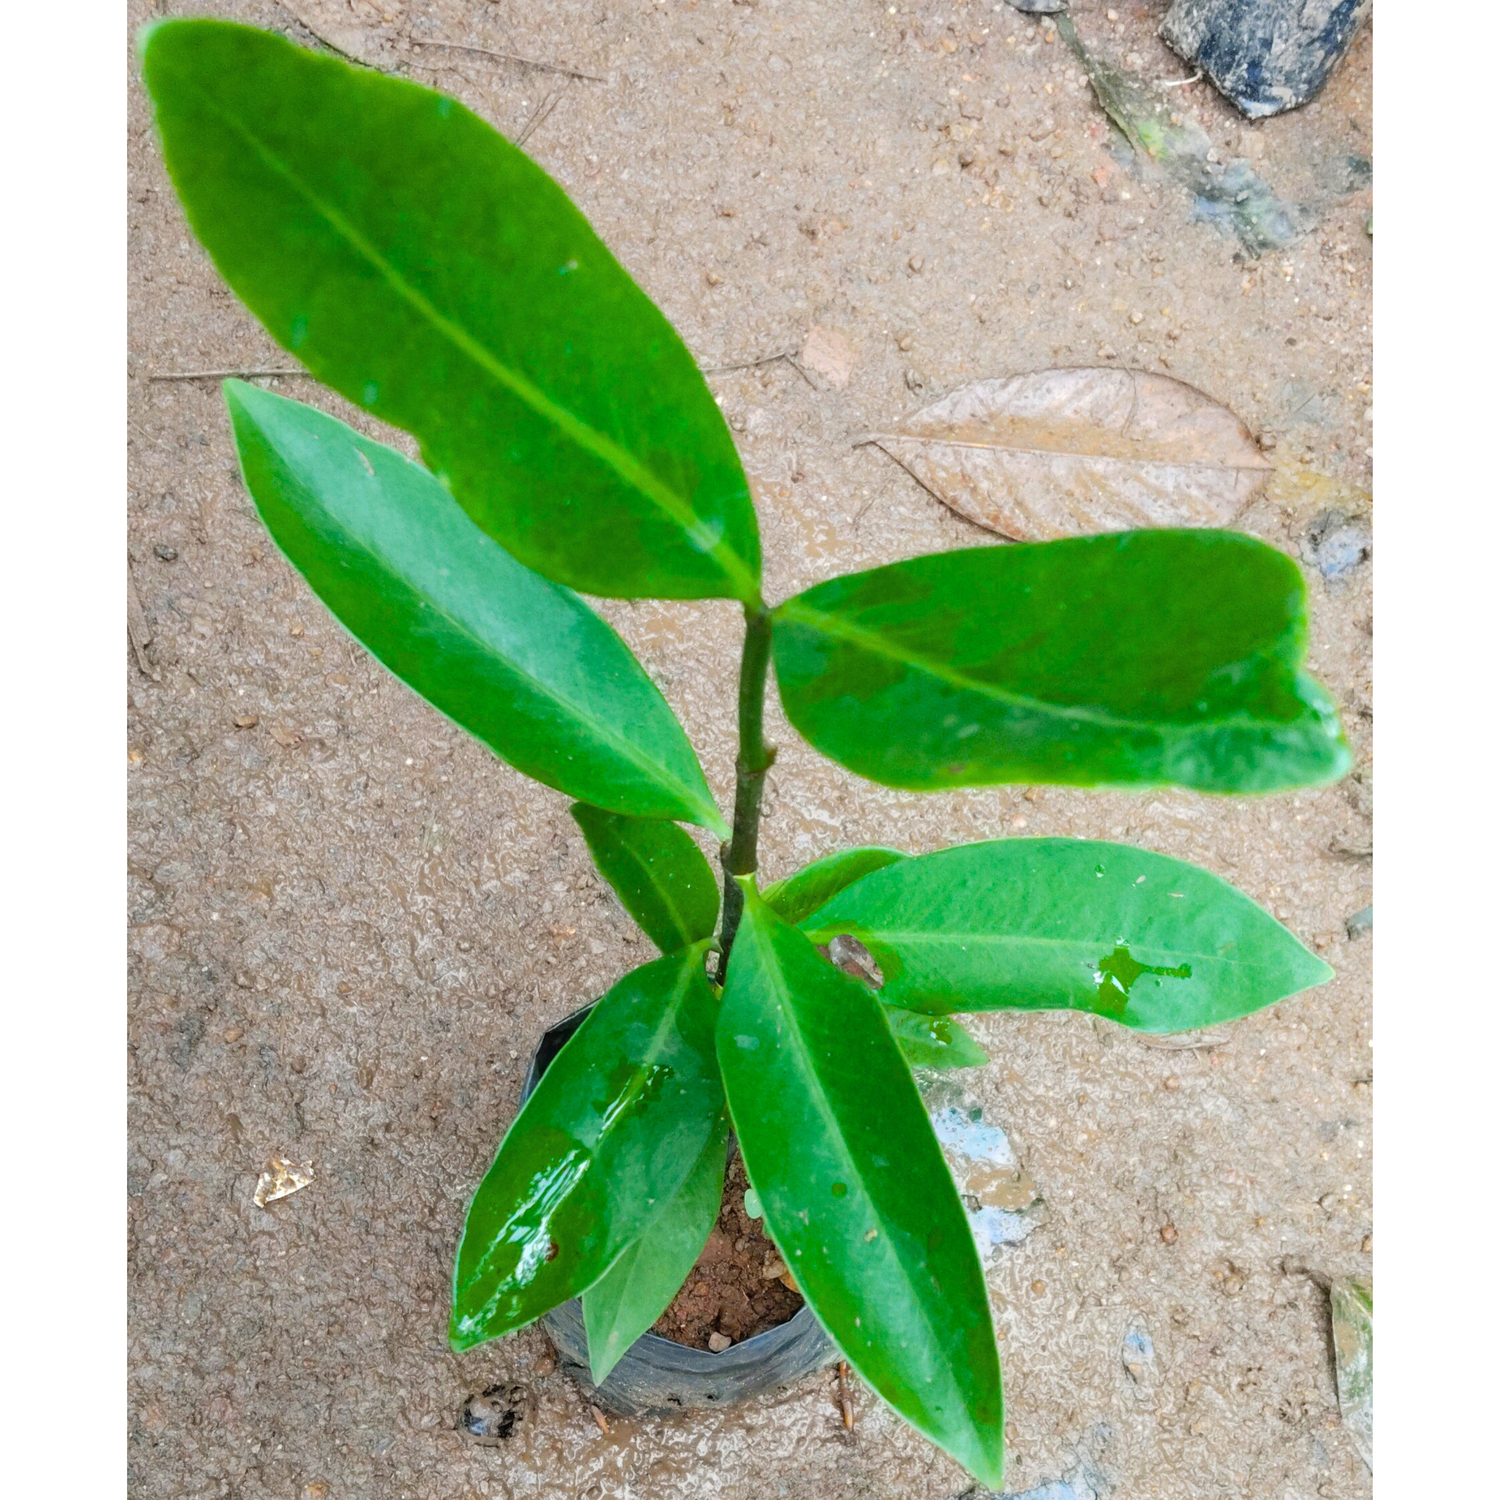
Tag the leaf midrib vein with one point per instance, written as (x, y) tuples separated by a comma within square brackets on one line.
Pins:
[(673, 910), (876, 644), (650, 770), (1120, 458), (604, 448), (816, 1094), (894, 937)]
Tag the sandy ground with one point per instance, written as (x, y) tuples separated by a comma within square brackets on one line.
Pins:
[(349, 924)]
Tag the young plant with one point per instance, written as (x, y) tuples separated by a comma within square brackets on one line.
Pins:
[(429, 272)]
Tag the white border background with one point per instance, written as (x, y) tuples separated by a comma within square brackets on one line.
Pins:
[(1437, 1029), (62, 1090), (62, 748)]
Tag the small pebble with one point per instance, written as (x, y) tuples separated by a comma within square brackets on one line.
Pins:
[(904, 342), (1172, 1084), (1169, 1234), (916, 263), (719, 1342), (713, 278), (1038, 1287), (166, 553), (246, 721)]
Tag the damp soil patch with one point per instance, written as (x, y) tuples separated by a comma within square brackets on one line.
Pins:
[(740, 1285)]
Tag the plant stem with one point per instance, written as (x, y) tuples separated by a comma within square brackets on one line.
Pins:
[(738, 856)]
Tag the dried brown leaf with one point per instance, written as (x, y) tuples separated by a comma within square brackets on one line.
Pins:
[(1057, 453)]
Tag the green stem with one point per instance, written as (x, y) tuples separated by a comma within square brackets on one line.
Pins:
[(738, 856)]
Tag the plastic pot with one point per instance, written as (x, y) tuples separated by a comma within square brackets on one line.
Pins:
[(656, 1376)]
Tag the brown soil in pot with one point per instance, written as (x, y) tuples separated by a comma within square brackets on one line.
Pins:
[(736, 1288)]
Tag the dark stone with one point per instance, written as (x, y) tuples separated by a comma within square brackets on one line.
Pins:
[(1039, 7), (491, 1415), (1266, 56)]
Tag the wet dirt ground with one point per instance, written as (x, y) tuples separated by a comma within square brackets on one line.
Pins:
[(349, 924)]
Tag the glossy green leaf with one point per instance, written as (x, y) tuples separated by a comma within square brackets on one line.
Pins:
[(803, 893), (854, 1187), (603, 1145), (1069, 924), (1139, 658), (934, 1041), (658, 873), (429, 271), (640, 1286), (522, 663)]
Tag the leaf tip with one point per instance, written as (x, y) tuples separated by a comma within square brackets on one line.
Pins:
[(144, 35)]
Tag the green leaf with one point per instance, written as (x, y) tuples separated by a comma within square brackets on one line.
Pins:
[(854, 1187), (640, 1286), (1069, 924), (658, 873), (429, 271), (603, 1145), (934, 1041), (1139, 658), (519, 662), (800, 894)]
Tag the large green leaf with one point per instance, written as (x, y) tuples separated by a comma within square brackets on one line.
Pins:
[(421, 265), (854, 1187), (639, 1287), (603, 1145), (1139, 658), (1069, 924), (658, 873), (522, 663), (798, 895)]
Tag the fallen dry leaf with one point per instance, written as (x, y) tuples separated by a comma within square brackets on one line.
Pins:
[(281, 1179), (1352, 1305), (1057, 453), (828, 354)]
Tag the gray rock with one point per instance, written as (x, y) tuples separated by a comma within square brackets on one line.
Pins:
[(1038, 7), (1266, 56)]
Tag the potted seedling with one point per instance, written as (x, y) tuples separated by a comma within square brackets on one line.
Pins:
[(433, 275)]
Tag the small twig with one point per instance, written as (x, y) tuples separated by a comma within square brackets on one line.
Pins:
[(748, 364), (1177, 83), (138, 628), (863, 508), (846, 1405), (1184, 1041), (332, 46), (511, 57), (223, 374), (600, 1420), (540, 113)]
